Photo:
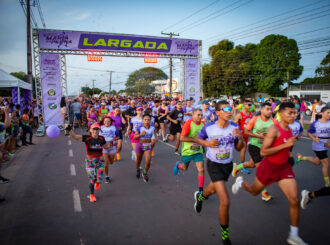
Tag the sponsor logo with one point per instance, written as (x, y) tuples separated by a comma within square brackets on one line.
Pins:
[(51, 92), (52, 106)]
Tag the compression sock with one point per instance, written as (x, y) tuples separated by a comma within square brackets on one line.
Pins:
[(201, 183), (224, 232), (326, 180), (240, 166), (325, 191)]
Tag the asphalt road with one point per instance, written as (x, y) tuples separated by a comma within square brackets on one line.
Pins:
[(46, 203)]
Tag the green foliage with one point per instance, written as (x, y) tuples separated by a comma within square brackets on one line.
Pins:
[(89, 91), (322, 72), (139, 81)]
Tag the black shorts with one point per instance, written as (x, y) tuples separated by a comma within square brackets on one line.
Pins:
[(162, 119), (254, 152), (120, 134), (218, 171), (175, 128), (321, 154), (156, 119)]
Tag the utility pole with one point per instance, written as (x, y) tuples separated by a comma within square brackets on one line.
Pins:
[(29, 53), (171, 34), (110, 82), (288, 79), (93, 88)]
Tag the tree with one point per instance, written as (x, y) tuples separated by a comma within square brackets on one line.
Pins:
[(139, 81), (322, 73), (277, 62), (89, 91)]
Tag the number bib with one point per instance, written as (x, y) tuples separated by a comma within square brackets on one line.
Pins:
[(195, 147), (146, 146), (222, 153)]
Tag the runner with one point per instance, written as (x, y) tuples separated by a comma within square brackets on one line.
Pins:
[(297, 131), (134, 123), (144, 134), (207, 114), (94, 157), (91, 116), (321, 130), (119, 122), (155, 124), (162, 113), (256, 130), (187, 110), (220, 138), (103, 111), (191, 151), (275, 167), (110, 134), (306, 196), (242, 119), (175, 117)]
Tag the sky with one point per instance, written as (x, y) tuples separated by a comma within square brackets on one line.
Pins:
[(241, 21)]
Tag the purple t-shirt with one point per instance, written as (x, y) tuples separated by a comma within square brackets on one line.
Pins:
[(117, 122)]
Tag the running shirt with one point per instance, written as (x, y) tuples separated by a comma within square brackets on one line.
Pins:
[(176, 115), (94, 146), (123, 107), (243, 122), (185, 110), (321, 130), (258, 126), (207, 115), (212, 109), (149, 132), (109, 133), (131, 111), (191, 129), (154, 111), (117, 122), (224, 153), (102, 112), (135, 123), (252, 108), (296, 128)]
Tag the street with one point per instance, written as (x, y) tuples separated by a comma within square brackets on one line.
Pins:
[(46, 202)]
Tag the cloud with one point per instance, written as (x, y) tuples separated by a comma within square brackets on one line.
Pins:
[(78, 15)]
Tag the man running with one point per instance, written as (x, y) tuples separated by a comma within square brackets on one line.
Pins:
[(275, 167), (175, 117), (220, 138), (191, 151)]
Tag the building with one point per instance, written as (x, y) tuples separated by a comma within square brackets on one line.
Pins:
[(311, 91), (162, 87)]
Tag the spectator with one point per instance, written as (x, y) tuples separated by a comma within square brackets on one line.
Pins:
[(63, 109)]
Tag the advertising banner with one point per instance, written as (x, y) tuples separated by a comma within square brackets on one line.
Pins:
[(51, 88), (74, 40), (192, 83)]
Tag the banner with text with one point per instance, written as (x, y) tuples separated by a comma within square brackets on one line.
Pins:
[(192, 83), (51, 88), (74, 40)]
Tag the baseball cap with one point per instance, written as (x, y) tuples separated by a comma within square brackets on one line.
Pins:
[(205, 102), (139, 108), (96, 125)]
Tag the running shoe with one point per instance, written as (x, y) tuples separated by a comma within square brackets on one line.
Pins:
[(245, 171), (118, 156), (107, 180), (295, 240), (198, 201), (3, 180), (177, 152), (237, 185), (226, 242), (176, 168), (92, 198), (305, 200), (145, 176), (97, 186), (235, 170), (153, 153), (138, 173), (133, 156), (265, 196), (298, 158), (11, 154)]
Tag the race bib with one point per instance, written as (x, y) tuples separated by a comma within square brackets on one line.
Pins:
[(223, 153), (195, 147), (146, 146)]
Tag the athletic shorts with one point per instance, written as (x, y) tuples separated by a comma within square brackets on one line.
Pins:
[(78, 116), (219, 171), (175, 128), (111, 150), (198, 157), (162, 120), (321, 154), (156, 119), (254, 152), (120, 134), (142, 147), (94, 168), (268, 173), (131, 137)]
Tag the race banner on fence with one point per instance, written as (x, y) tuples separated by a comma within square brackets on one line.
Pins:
[(192, 84), (74, 40), (51, 88)]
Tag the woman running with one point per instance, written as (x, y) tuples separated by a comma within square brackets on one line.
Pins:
[(110, 134), (91, 116), (162, 113), (144, 134), (94, 158), (134, 123), (118, 121)]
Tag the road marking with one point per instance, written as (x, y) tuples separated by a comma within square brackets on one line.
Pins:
[(72, 169), (307, 138), (70, 153), (167, 144), (69, 142), (76, 201)]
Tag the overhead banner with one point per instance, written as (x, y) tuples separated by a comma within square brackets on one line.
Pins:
[(192, 83), (51, 88), (74, 40)]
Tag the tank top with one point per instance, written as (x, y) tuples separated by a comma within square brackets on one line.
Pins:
[(282, 156), (244, 121), (302, 106), (92, 116), (161, 110)]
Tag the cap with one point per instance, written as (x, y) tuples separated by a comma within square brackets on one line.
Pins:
[(139, 108), (96, 125), (103, 103), (205, 102)]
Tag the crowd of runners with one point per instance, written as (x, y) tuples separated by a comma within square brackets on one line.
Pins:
[(206, 133)]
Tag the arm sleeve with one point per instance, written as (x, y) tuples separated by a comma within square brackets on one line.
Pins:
[(312, 129), (186, 128)]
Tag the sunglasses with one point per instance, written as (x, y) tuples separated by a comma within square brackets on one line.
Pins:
[(226, 109), (95, 129)]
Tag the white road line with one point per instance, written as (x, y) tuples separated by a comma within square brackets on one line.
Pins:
[(167, 144), (76, 201), (69, 142), (70, 153), (72, 169), (306, 138)]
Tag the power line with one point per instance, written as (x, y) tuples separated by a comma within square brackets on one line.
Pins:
[(40, 14)]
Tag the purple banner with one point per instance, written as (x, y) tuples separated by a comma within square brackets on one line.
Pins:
[(51, 88), (27, 95), (15, 95), (71, 40), (192, 83)]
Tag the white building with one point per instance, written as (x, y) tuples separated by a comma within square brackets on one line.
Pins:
[(163, 86), (311, 91)]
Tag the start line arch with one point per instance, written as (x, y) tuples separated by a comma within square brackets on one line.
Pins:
[(50, 48)]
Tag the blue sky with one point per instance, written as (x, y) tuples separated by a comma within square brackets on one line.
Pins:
[(233, 19)]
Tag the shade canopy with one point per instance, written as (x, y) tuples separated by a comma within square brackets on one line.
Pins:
[(9, 81)]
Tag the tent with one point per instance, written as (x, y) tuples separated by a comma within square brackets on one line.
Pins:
[(9, 81)]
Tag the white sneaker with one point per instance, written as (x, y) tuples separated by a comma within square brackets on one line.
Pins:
[(305, 200), (236, 186), (295, 240)]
